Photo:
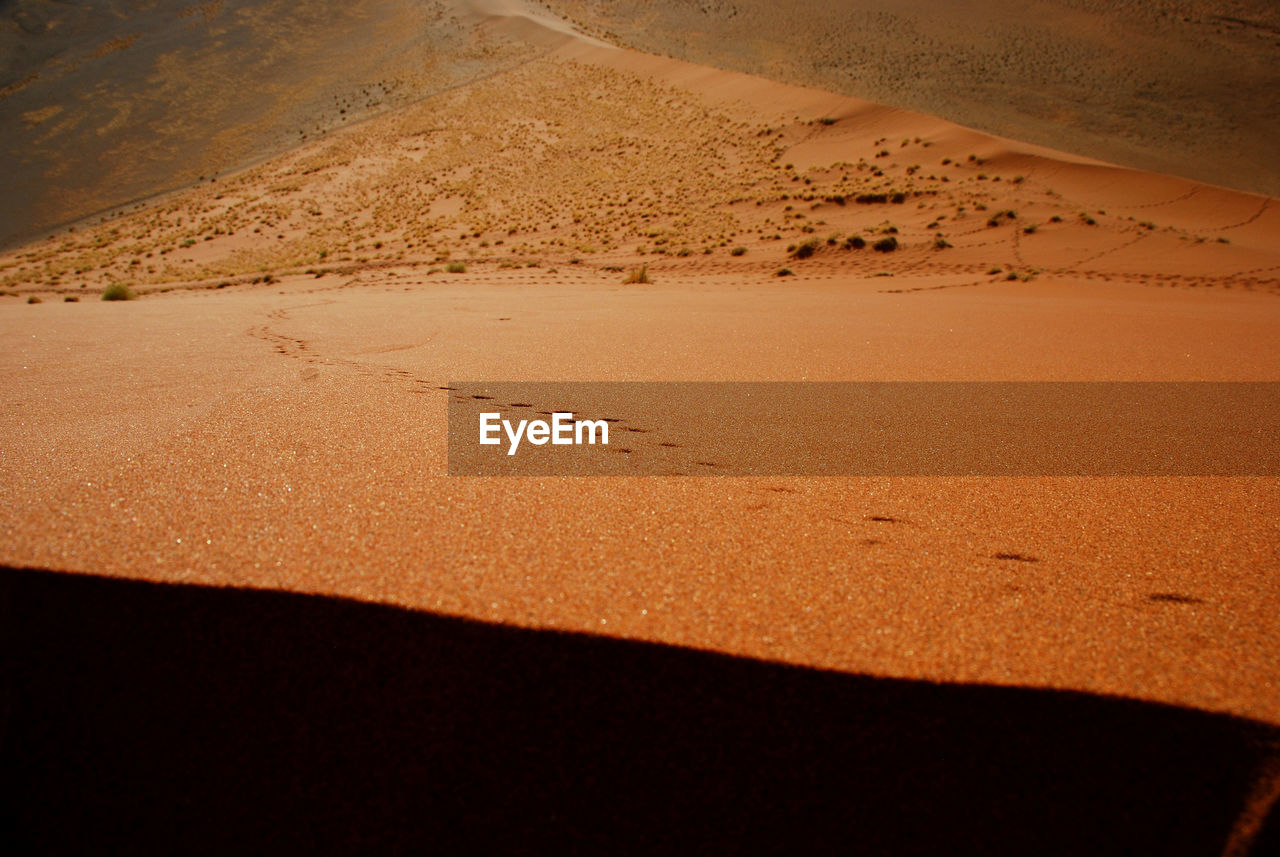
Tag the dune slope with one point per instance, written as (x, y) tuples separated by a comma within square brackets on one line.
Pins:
[(1177, 86), (272, 414)]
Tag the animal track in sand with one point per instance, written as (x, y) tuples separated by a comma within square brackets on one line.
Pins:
[(1173, 598)]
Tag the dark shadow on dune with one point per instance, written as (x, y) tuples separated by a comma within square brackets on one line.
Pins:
[(153, 719)]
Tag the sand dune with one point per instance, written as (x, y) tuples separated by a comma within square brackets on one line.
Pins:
[(104, 104), (271, 414), (1178, 86)]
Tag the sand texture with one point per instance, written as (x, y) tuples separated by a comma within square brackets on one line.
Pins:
[(271, 415)]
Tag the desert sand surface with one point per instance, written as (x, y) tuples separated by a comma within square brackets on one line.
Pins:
[(1175, 86), (269, 417)]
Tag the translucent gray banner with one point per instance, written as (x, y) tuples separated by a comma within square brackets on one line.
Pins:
[(864, 429)]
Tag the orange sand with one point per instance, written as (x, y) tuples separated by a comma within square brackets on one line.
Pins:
[(291, 435)]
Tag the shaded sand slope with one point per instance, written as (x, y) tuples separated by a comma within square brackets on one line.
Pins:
[(1177, 86), (109, 101), (150, 718)]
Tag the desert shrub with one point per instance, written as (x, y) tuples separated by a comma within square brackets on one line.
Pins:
[(885, 245), (638, 275), (784, 272), (118, 292), (1030, 230), (856, 242), (940, 243), (805, 250), (738, 251), (34, 300), (456, 268), (71, 299), (870, 198)]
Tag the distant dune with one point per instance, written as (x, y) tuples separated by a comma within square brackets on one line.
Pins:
[(106, 102), (1186, 87)]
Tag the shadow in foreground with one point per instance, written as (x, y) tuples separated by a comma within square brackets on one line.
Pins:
[(143, 718)]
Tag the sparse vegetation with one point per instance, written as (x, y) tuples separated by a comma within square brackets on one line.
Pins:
[(34, 300), (805, 250), (885, 245), (456, 268), (118, 292), (638, 275), (784, 272), (738, 251)]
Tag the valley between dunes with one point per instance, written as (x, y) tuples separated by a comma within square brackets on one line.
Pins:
[(269, 413)]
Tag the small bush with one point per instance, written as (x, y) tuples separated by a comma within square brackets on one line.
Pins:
[(857, 242), (827, 120), (118, 292), (34, 300), (738, 251), (784, 272), (638, 275), (71, 299), (456, 268), (1030, 230), (940, 243), (805, 250), (885, 245)]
